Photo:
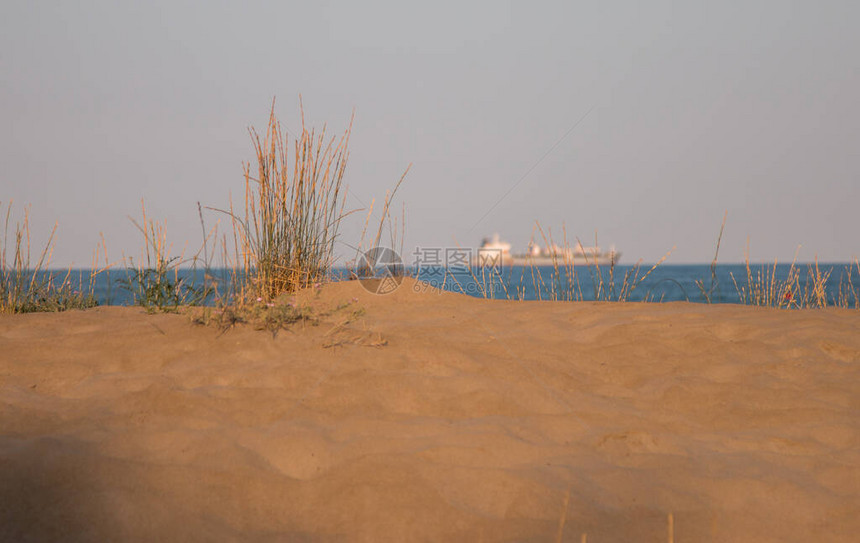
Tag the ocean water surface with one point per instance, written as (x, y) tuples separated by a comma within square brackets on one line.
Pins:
[(724, 283)]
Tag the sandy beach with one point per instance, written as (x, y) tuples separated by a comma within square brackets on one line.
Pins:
[(433, 417)]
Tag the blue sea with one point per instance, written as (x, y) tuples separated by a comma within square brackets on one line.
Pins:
[(724, 283)]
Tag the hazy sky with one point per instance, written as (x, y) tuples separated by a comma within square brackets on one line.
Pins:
[(690, 109)]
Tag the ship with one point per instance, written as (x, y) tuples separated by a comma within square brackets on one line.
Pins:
[(495, 252)]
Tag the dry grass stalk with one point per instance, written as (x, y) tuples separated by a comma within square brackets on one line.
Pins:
[(632, 280), (361, 267), (708, 293), (847, 294), (563, 280)]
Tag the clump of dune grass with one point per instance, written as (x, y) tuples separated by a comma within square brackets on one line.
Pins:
[(284, 240), (294, 204), (796, 290), (764, 286), (155, 282), (27, 287)]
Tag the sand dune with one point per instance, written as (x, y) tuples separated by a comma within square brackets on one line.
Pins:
[(476, 421)]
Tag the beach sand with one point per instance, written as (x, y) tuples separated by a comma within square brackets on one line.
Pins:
[(434, 417)]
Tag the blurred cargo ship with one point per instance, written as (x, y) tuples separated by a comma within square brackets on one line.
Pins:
[(495, 252)]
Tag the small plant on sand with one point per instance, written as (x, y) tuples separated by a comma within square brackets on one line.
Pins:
[(26, 288), (293, 210), (261, 315), (284, 241), (273, 316), (155, 282)]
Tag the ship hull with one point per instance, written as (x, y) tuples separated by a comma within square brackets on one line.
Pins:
[(603, 259)]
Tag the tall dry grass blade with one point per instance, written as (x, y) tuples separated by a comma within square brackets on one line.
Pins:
[(708, 293), (389, 197)]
